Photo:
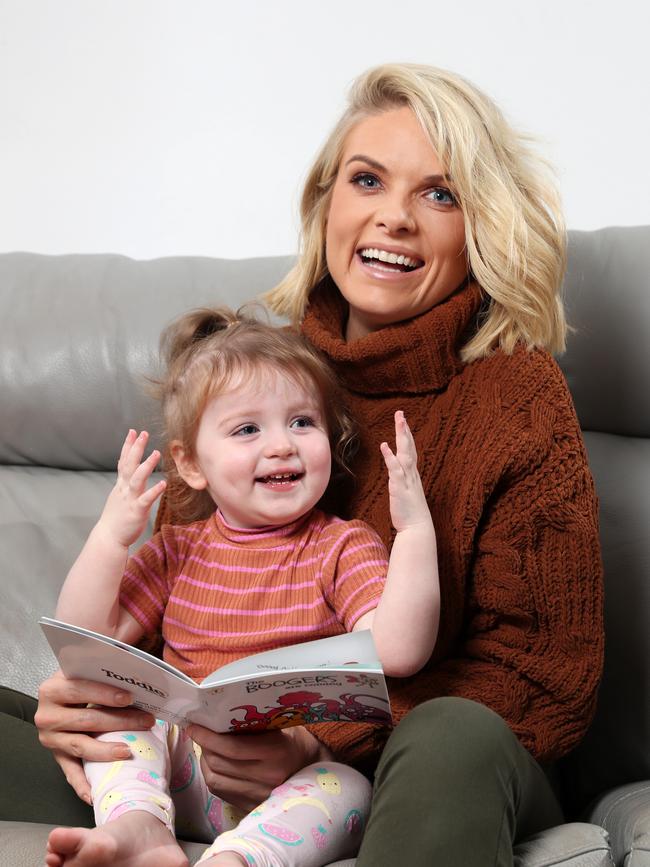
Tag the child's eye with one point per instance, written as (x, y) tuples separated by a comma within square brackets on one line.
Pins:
[(302, 421), (366, 180), (441, 196), (246, 430)]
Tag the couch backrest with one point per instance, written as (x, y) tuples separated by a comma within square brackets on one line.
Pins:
[(79, 334), (607, 366)]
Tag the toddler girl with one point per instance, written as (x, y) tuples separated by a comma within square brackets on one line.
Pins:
[(253, 422)]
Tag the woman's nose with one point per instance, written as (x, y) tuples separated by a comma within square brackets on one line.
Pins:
[(394, 214)]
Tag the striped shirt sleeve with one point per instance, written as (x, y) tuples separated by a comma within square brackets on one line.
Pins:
[(145, 587), (354, 570)]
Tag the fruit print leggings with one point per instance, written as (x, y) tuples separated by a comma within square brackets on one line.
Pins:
[(317, 816)]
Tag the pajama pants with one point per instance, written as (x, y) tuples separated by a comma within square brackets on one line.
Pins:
[(317, 816)]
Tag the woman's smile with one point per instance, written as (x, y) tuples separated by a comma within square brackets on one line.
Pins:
[(389, 260)]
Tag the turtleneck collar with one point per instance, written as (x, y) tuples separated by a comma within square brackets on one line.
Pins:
[(260, 537), (416, 356)]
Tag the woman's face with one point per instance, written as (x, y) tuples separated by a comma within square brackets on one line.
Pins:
[(395, 235)]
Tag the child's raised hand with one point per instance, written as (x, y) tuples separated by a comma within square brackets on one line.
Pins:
[(128, 505), (408, 504)]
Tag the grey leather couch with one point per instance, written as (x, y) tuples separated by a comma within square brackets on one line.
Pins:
[(79, 333)]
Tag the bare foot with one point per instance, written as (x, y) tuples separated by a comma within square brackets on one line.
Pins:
[(135, 839)]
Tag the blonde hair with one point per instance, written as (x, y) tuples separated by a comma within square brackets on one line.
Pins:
[(514, 228), (206, 351)]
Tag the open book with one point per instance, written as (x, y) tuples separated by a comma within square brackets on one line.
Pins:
[(336, 679)]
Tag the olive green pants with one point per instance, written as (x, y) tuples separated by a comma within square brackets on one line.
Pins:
[(33, 786), (454, 788)]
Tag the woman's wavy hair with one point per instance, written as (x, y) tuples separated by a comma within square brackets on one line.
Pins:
[(514, 228), (205, 352)]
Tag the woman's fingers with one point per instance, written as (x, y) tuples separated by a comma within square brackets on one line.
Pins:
[(242, 793), (74, 774), (239, 749), (63, 717), (76, 745), (244, 770), (60, 690), (66, 720)]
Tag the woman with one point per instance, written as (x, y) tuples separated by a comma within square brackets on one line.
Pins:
[(432, 255)]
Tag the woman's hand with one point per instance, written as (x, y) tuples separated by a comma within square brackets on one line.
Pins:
[(65, 722), (243, 769)]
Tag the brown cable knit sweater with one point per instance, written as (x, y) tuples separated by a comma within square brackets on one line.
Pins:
[(513, 503)]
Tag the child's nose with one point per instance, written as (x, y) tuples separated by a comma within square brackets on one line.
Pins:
[(280, 445)]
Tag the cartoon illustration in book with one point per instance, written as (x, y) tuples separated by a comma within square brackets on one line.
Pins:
[(301, 708)]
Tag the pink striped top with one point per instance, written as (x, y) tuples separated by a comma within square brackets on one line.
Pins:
[(221, 593)]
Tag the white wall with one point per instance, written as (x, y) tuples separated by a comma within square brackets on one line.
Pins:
[(161, 127)]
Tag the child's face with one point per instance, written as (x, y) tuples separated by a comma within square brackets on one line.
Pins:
[(262, 452)]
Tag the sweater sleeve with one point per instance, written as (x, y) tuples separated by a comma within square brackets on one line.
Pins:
[(531, 647)]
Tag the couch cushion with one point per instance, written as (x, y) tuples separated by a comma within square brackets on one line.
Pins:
[(45, 517), (576, 844)]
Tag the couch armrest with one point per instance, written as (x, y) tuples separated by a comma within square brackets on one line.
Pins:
[(625, 813)]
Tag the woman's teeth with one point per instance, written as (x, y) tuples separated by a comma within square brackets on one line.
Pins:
[(390, 258)]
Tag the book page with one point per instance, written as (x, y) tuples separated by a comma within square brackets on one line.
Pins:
[(353, 650), (82, 647)]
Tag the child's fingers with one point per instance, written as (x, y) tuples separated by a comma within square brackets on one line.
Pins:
[(142, 472), (392, 463), (132, 452), (149, 497), (129, 439), (404, 442)]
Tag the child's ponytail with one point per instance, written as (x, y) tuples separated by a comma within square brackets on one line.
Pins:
[(180, 338)]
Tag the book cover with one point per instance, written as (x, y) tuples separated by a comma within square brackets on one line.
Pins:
[(337, 679)]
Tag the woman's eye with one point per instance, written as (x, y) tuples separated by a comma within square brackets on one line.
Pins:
[(441, 196), (302, 421), (246, 430), (366, 181)]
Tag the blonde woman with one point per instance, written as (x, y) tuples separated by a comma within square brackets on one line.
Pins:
[(432, 254)]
